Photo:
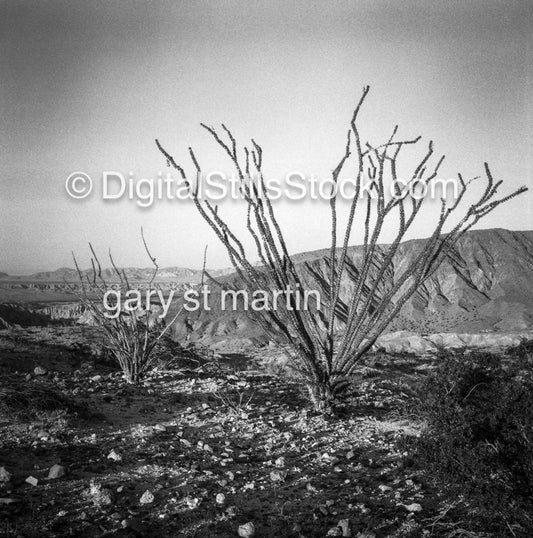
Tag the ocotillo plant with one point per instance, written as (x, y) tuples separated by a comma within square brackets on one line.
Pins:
[(131, 337), (324, 356)]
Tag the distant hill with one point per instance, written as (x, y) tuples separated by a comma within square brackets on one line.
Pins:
[(486, 284), (144, 274)]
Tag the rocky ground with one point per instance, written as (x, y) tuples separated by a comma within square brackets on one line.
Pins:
[(226, 449)]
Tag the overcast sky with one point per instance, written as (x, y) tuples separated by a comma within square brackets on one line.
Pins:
[(89, 85)]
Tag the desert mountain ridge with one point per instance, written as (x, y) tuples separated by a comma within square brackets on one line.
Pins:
[(486, 284), (186, 273), (69, 274)]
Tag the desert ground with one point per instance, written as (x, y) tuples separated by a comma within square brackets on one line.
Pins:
[(205, 447)]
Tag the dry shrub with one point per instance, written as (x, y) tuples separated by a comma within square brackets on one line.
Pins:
[(478, 444), (28, 401)]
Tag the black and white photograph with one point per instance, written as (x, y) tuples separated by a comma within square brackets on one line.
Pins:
[(266, 268)]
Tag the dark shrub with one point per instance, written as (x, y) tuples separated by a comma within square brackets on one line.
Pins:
[(478, 445), (523, 352), (28, 400)]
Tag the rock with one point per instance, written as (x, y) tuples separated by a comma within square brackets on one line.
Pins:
[(323, 510), (98, 495), (231, 511), (39, 370), (147, 497), (335, 531), (56, 471), (5, 476), (280, 462), (114, 455), (96, 378), (133, 523), (278, 476), (192, 502), (414, 507), (247, 530), (32, 480), (344, 525)]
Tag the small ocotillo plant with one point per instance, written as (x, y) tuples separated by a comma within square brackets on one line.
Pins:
[(132, 337), (325, 356)]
